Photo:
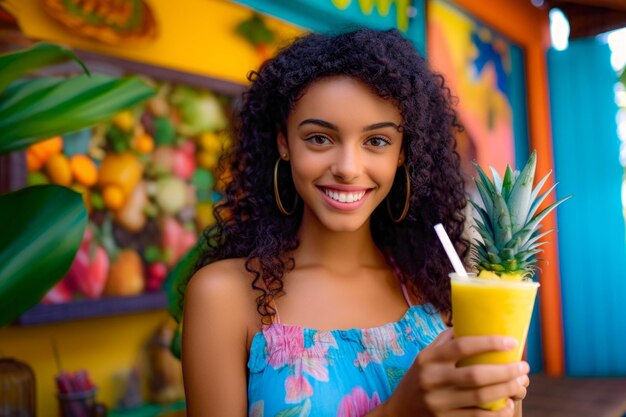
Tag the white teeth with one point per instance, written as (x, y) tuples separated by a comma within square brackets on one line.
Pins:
[(345, 197)]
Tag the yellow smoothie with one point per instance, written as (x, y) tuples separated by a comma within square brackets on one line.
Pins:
[(483, 307)]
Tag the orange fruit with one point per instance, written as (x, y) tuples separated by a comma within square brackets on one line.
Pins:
[(126, 276), (84, 170), (58, 170), (33, 162), (113, 197), (144, 143)]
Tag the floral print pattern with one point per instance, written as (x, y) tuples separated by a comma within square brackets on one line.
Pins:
[(357, 403), (301, 372)]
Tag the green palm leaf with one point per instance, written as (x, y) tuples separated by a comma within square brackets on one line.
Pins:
[(65, 106), (37, 245), (17, 64)]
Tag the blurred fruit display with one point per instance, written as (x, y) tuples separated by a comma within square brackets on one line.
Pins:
[(148, 179)]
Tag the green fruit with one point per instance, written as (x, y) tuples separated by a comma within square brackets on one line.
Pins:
[(171, 194), (164, 132), (37, 178)]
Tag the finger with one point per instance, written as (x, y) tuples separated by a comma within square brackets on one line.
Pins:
[(457, 349), (524, 382), (443, 337), (507, 411), (448, 399), (472, 376)]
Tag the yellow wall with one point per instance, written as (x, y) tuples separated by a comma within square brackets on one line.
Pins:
[(194, 35), (101, 346)]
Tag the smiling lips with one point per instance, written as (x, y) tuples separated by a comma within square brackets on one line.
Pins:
[(344, 198)]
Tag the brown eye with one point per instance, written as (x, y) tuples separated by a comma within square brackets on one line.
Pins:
[(378, 142), (318, 140)]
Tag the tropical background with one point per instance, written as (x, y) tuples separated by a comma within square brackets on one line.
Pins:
[(113, 116)]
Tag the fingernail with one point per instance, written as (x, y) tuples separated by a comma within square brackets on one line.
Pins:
[(520, 380), (510, 403), (524, 367), (510, 343)]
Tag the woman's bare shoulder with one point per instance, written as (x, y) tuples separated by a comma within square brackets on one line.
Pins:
[(214, 340), (227, 278), (223, 288)]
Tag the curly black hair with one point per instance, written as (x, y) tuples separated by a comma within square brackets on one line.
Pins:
[(248, 222)]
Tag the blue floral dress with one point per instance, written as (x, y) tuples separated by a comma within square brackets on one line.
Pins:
[(302, 372)]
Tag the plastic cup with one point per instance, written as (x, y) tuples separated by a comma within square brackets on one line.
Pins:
[(482, 307), (78, 404)]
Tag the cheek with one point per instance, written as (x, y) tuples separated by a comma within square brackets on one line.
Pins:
[(383, 172), (306, 170)]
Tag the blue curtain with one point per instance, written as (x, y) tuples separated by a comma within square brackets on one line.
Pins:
[(591, 237)]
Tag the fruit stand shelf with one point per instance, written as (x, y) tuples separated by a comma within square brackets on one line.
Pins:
[(82, 309)]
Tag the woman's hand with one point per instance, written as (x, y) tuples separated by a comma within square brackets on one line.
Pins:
[(435, 387)]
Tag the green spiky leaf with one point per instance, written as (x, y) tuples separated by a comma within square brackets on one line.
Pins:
[(519, 200), (506, 221), (497, 181), (539, 186), (507, 182), (538, 201), (485, 196), (502, 222)]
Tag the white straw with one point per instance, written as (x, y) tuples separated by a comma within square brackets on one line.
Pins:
[(452, 255)]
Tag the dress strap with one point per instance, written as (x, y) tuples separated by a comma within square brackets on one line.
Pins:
[(398, 274), (405, 292)]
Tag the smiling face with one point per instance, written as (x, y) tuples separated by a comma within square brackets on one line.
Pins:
[(345, 145)]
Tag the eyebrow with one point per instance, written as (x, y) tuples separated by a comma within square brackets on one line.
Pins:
[(331, 126)]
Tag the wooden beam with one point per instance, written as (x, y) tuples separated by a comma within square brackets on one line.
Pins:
[(615, 5)]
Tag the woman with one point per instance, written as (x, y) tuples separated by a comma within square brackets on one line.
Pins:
[(324, 290)]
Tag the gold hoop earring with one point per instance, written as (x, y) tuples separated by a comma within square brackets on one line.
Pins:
[(279, 203), (405, 210)]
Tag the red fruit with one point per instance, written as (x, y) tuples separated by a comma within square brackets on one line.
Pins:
[(171, 231), (157, 272), (176, 240), (183, 164), (60, 293), (189, 148), (88, 273)]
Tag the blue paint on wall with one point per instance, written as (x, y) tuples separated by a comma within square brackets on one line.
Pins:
[(322, 16), (517, 96), (592, 244)]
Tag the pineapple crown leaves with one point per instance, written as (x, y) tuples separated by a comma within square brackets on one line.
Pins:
[(508, 221)]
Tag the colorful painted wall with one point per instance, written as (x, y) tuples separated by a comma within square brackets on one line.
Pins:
[(195, 36)]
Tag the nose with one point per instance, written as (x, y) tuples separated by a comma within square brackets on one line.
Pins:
[(348, 163)]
